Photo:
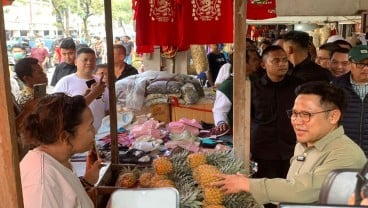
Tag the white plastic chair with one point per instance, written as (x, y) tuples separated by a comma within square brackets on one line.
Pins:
[(144, 198), (338, 186)]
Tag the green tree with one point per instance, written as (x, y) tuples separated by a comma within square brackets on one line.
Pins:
[(85, 9), (122, 12), (61, 10)]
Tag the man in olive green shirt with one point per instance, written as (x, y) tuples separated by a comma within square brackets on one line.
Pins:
[(322, 147)]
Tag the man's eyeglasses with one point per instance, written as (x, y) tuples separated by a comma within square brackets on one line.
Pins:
[(303, 115), (361, 65)]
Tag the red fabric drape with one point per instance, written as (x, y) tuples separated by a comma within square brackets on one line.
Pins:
[(157, 23), (206, 22), (7, 2), (261, 9), (179, 23)]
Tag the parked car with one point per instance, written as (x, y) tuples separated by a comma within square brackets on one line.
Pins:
[(23, 40)]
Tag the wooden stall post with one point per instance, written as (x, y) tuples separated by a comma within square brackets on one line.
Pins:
[(111, 84), (11, 189), (241, 87)]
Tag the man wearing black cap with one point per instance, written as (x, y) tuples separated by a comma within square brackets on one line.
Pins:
[(355, 83), (68, 50)]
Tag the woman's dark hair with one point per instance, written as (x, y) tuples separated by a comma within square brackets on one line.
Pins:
[(331, 95), (51, 116)]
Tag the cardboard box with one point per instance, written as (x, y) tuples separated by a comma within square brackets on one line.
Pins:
[(200, 112), (160, 112)]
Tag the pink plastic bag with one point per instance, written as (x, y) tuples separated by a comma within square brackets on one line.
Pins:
[(178, 127)]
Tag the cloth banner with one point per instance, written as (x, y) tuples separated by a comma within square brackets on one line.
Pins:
[(179, 23), (156, 22), (261, 9), (7, 2), (206, 22)]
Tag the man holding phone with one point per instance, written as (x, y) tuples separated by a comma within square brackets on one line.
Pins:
[(35, 80), (84, 81)]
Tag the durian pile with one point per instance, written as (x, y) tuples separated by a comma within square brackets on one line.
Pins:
[(191, 174)]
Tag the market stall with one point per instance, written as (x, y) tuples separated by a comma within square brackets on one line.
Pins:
[(9, 157), (108, 183)]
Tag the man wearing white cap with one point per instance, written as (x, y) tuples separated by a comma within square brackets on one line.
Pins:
[(355, 83)]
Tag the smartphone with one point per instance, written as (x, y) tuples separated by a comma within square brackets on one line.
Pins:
[(95, 152), (39, 90), (89, 83)]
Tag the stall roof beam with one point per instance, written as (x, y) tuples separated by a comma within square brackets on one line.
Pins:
[(320, 7), (320, 20)]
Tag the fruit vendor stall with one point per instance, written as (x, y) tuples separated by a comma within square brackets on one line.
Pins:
[(177, 170)]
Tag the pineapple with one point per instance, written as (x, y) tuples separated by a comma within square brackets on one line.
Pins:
[(156, 178), (213, 196), (213, 206), (193, 183), (163, 166), (196, 159), (180, 163), (163, 183), (205, 175), (127, 180), (241, 200), (226, 163), (145, 179)]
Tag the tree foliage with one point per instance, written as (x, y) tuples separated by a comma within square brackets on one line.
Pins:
[(122, 11), (85, 9), (61, 10)]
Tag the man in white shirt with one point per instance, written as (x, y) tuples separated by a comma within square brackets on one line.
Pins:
[(224, 72), (222, 108), (75, 84)]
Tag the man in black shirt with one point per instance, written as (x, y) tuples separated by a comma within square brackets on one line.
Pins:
[(68, 51), (215, 60), (121, 68), (296, 48)]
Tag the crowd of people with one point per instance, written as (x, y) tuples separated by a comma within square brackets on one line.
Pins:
[(308, 116), (54, 127), (322, 91)]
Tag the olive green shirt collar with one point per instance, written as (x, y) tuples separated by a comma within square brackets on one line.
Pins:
[(321, 144)]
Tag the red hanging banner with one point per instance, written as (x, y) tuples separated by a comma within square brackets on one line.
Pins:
[(7, 2), (261, 9), (179, 23), (206, 21), (156, 22)]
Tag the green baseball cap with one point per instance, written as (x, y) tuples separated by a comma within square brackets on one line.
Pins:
[(358, 53)]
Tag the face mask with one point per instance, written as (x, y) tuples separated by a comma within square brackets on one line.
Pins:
[(18, 55)]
